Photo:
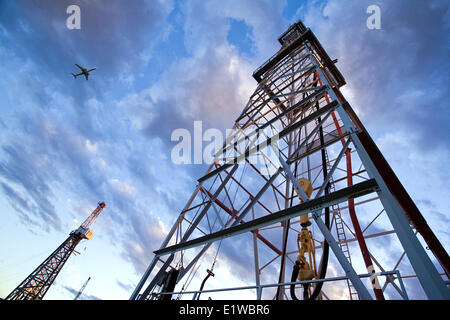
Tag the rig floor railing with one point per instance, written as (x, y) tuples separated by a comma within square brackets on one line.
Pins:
[(259, 288)]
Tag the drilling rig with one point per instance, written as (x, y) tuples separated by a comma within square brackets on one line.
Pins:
[(36, 285), (298, 156)]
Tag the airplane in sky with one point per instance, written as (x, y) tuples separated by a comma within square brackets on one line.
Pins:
[(83, 71)]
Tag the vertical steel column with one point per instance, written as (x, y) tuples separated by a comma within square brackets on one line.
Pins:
[(185, 237), (166, 240)]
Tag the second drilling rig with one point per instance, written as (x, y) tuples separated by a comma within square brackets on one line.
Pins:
[(36, 285)]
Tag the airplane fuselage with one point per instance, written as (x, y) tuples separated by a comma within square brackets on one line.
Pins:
[(84, 72)]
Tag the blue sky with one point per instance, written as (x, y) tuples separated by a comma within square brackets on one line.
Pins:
[(66, 144)]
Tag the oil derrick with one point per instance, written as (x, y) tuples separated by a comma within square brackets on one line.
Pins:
[(301, 130), (36, 285)]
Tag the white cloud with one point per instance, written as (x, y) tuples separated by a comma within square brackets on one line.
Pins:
[(90, 146), (123, 187)]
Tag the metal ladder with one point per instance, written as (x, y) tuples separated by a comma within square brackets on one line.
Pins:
[(341, 235), (342, 241)]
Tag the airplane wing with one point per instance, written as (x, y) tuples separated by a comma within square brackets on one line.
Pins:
[(81, 68)]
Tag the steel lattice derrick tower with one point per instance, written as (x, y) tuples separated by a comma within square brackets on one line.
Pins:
[(36, 285), (299, 126)]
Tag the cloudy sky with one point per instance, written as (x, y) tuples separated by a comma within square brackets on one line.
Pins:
[(67, 144)]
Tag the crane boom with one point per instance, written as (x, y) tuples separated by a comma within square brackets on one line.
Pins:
[(90, 220), (82, 288), (84, 231)]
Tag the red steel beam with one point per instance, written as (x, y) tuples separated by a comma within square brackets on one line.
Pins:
[(233, 213), (351, 209)]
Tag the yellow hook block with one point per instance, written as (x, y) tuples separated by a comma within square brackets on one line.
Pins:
[(308, 189)]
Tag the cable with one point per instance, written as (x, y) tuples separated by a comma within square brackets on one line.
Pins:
[(326, 248), (210, 272), (325, 254)]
